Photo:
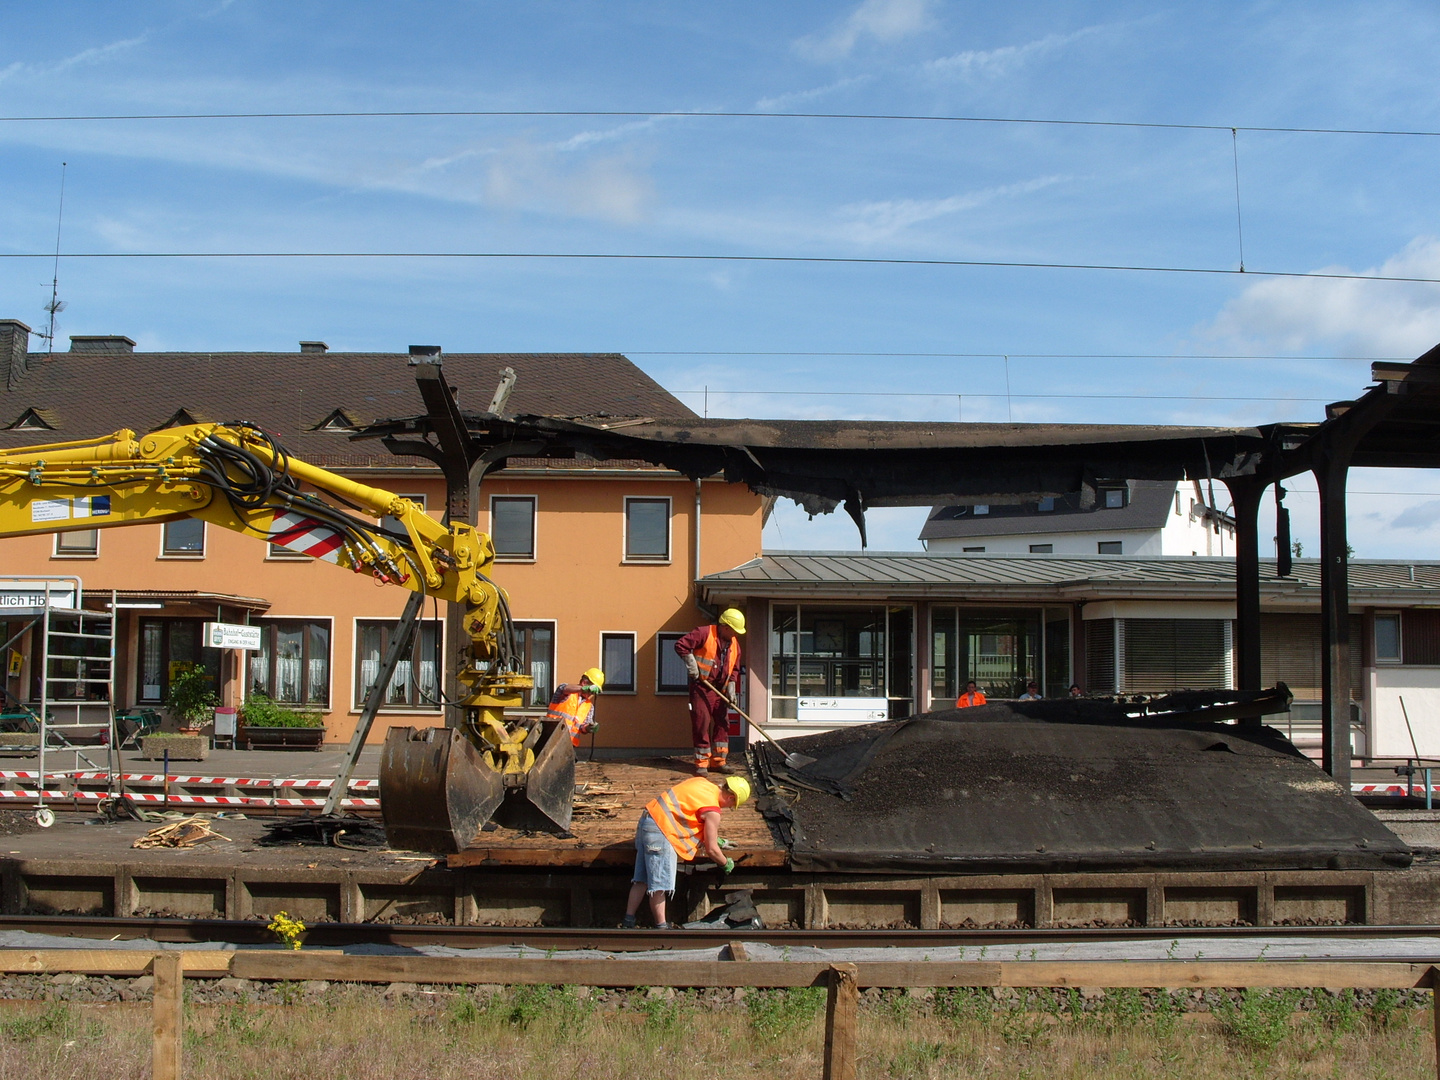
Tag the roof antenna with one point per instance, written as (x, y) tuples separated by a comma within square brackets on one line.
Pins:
[(56, 305)]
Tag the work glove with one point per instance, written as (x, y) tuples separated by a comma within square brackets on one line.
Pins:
[(723, 842), (729, 866), (692, 668)]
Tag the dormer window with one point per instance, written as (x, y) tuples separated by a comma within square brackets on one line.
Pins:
[(1114, 498), (32, 420), (1047, 504), (981, 509), (339, 421)]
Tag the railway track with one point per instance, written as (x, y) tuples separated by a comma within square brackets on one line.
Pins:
[(333, 935)]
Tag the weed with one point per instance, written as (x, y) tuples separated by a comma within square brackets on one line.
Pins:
[(1383, 1008), (1165, 1013), (464, 1010), (916, 1059), (776, 1013), (57, 1020), (239, 1024), (662, 1015), (285, 928), (1337, 1012), (1259, 1021), (526, 1004), (1123, 1009), (1019, 1028), (1173, 949), (288, 992), (964, 1004)]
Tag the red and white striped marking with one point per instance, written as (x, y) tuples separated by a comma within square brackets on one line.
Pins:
[(306, 535), (1391, 789), (203, 781), (238, 801)]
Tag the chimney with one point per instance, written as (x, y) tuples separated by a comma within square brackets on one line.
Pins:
[(14, 351), (101, 343), (314, 346)]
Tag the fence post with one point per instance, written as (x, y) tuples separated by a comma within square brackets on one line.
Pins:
[(840, 1008), (169, 1015)]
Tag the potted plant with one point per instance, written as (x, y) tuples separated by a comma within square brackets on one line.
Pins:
[(191, 698), (268, 723)]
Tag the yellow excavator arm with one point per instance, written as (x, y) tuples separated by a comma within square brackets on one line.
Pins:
[(239, 478)]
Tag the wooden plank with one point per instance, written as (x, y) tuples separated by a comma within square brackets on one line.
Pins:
[(841, 1005), (168, 1014), (197, 963), (737, 951), (1207, 973)]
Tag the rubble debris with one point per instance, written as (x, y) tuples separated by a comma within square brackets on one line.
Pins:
[(186, 833)]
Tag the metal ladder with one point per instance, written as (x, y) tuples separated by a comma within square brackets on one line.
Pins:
[(77, 688)]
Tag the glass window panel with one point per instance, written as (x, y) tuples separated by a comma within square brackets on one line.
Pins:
[(672, 676), (184, 537), (647, 528), (318, 660), (259, 664), (289, 654), (415, 682), (1387, 638), (78, 542), (617, 660), (536, 643), (512, 526)]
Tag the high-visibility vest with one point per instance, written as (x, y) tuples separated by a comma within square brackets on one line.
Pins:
[(573, 709), (965, 700), (707, 656), (677, 813)]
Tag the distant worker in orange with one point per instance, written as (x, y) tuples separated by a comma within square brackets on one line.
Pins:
[(682, 823), (712, 655), (970, 697), (575, 705)]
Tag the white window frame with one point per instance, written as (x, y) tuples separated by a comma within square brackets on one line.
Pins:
[(1121, 544), (192, 556), (1390, 661), (635, 672), (555, 679), (660, 647), (647, 560), (356, 704), (266, 619), (534, 528), (56, 553)]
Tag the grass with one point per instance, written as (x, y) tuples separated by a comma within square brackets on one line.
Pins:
[(565, 1033)]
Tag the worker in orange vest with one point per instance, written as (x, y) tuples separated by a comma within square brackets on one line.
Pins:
[(970, 697), (712, 654), (575, 705), (681, 823)]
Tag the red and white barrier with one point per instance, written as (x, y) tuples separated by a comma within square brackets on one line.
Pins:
[(239, 802)]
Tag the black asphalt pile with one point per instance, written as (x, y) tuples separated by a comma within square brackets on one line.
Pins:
[(988, 790)]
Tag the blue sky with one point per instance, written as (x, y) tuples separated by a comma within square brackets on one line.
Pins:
[(768, 339)]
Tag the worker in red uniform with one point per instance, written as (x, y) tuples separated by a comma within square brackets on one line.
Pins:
[(575, 705), (971, 696), (712, 654), (682, 823)]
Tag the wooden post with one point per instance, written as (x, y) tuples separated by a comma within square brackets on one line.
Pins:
[(169, 1015), (840, 1008)]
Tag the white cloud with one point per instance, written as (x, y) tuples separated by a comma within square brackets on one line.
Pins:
[(994, 63), (529, 177), (781, 102), (880, 20), (1376, 318), (878, 221), (1419, 518), (85, 56)]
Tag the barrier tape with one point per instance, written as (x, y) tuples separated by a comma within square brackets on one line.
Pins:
[(207, 781), (184, 800)]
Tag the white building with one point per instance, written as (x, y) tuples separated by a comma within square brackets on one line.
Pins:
[(1144, 518)]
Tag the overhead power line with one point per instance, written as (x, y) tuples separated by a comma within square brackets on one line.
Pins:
[(1013, 355), (1048, 397), (630, 114), (837, 260)]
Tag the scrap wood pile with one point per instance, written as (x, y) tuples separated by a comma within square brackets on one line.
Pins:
[(185, 833), (598, 799)]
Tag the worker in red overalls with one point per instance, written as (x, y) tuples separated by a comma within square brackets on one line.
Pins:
[(971, 696), (575, 705), (712, 654)]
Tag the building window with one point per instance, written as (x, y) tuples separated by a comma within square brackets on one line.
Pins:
[(647, 530), (1046, 505), (617, 661), (974, 550), (184, 538), (394, 524), (292, 664), (168, 647), (1108, 547), (416, 682), (78, 543), (999, 649), (1114, 498), (981, 509), (670, 676), (535, 642), (512, 527), (1387, 639), (822, 651), (1042, 549)]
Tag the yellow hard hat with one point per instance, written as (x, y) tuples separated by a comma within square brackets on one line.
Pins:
[(734, 619), (596, 677), (741, 787)]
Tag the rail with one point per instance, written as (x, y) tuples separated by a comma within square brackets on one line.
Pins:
[(169, 968)]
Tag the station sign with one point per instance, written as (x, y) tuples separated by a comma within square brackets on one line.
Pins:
[(32, 594), (219, 635), (843, 710)]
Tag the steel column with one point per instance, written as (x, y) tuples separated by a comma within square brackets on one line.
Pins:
[(1331, 470), (1245, 495)]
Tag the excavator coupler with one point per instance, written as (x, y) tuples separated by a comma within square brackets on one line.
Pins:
[(437, 788)]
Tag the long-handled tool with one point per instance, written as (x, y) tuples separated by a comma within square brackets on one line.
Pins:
[(795, 761)]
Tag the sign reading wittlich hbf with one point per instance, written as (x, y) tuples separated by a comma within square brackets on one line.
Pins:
[(33, 594), (219, 635)]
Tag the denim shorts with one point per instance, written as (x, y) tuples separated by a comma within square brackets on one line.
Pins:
[(655, 858)]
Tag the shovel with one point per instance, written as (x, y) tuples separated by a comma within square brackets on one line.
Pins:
[(795, 761)]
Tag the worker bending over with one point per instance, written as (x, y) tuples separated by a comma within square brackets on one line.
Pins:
[(971, 696), (680, 824), (575, 705), (712, 655)]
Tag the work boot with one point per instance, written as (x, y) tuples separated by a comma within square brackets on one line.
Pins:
[(724, 769), (627, 923), (700, 770)]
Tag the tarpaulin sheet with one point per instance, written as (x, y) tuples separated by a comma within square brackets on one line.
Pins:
[(995, 791)]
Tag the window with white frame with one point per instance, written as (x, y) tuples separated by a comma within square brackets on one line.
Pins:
[(617, 661), (78, 543), (416, 682), (670, 674), (512, 527), (535, 642), (1387, 639), (292, 664), (647, 530), (184, 538)]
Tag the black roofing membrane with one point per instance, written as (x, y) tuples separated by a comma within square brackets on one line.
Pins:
[(993, 791)]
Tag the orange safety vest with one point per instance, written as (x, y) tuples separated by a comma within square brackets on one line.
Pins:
[(967, 699), (574, 710), (677, 813), (707, 656)]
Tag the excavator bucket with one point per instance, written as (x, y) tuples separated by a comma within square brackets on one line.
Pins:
[(542, 799), (435, 789)]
